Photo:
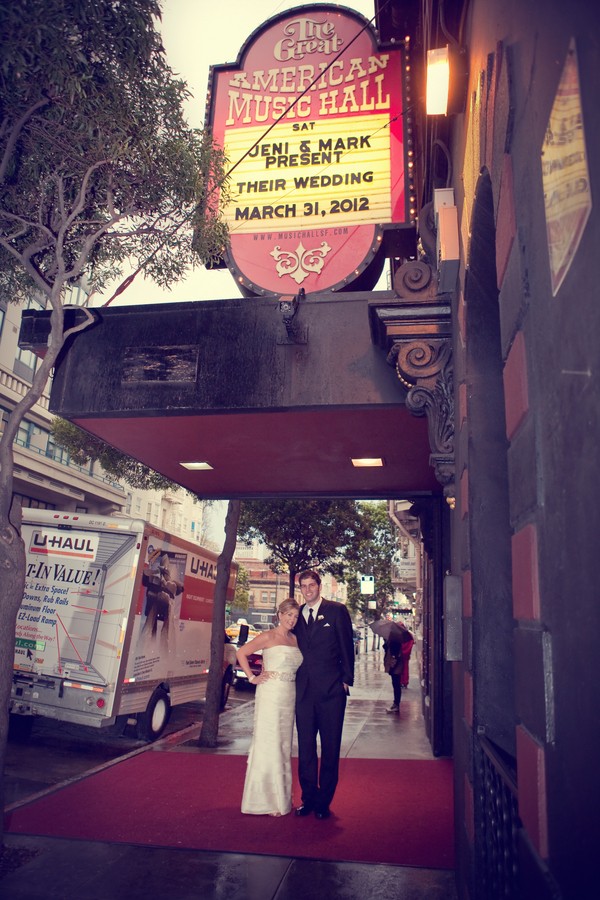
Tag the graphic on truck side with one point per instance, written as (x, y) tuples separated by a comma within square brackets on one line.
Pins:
[(117, 607), (63, 609)]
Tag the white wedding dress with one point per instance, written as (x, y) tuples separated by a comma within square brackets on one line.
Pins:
[(268, 786)]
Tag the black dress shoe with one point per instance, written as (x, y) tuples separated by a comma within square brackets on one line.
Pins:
[(303, 811), (322, 814)]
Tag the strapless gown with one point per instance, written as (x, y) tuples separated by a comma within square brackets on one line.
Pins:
[(268, 786)]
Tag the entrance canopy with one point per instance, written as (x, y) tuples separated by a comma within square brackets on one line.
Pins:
[(276, 400)]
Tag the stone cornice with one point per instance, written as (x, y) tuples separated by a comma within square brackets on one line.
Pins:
[(415, 333)]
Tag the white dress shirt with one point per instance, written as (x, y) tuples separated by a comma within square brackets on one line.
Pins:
[(314, 608)]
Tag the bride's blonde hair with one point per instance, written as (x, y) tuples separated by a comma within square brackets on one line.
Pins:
[(286, 605)]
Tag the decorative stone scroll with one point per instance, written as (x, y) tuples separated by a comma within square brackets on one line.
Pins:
[(415, 280), (425, 369), (415, 332)]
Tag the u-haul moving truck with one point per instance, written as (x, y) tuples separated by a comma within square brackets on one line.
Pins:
[(115, 621)]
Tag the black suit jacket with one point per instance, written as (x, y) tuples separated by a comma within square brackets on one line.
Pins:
[(327, 654)]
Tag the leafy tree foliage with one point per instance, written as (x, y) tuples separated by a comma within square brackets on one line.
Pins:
[(242, 589), (303, 534), (84, 447), (373, 556), (97, 165)]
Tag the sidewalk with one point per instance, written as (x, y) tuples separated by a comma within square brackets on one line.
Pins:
[(80, 870)]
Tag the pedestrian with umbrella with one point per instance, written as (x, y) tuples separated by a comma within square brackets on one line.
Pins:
[(398, 643)]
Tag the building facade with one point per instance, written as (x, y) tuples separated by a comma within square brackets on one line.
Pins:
[(267, 589), (44, 475), (522, 154)]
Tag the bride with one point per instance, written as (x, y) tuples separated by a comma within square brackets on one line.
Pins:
[(268, 786)]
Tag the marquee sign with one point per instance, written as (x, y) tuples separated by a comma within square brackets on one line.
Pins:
[(311, 120)]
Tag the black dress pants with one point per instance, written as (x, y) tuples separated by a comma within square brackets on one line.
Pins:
[(397, 688), (325, 718)]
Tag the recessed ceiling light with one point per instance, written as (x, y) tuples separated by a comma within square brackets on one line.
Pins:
[(367, 462), (196, 466)]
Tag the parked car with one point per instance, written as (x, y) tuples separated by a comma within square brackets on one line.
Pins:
[(239, 676)]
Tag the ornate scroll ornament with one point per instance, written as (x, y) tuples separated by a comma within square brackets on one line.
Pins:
[(415, 280), (425, 368), (300, 263)]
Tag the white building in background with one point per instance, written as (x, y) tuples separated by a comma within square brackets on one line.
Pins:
[(44, 475), (174, 511)]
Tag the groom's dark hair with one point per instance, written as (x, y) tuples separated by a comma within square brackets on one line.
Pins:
[(309, 574)]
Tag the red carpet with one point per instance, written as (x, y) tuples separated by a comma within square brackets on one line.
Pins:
[(385, 811)]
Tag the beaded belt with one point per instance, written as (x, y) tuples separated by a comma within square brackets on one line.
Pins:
[(282, 676)]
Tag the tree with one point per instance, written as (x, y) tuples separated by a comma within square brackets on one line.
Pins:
[(242, 589), (210, 720), (97, 166), (84, 448), (303, 534), (373, 556)]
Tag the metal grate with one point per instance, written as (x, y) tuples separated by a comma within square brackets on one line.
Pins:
[(498, 821)]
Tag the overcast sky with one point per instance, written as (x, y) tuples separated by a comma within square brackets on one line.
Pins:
[(196, 35)]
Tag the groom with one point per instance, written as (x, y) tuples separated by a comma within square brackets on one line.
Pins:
[(324, 634)]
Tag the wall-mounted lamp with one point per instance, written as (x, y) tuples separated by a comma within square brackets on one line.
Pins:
[(438, 81), (446, 80)]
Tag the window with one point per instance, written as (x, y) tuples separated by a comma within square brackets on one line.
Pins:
[(4, 414), (32, 502), (26, 362), (58, 454), (24, 434), (76, 295)]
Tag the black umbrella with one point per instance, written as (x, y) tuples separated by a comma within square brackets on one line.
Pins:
[(387, 629)]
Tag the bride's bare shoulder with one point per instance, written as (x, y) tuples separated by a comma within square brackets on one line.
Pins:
[(273, 639)]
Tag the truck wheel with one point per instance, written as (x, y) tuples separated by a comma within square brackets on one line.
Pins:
[(152, 723), (226, 687)]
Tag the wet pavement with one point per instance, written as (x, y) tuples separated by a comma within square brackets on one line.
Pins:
[(81, 870), (57, 751)]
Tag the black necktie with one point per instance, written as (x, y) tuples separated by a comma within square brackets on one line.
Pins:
[(310, 619)]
